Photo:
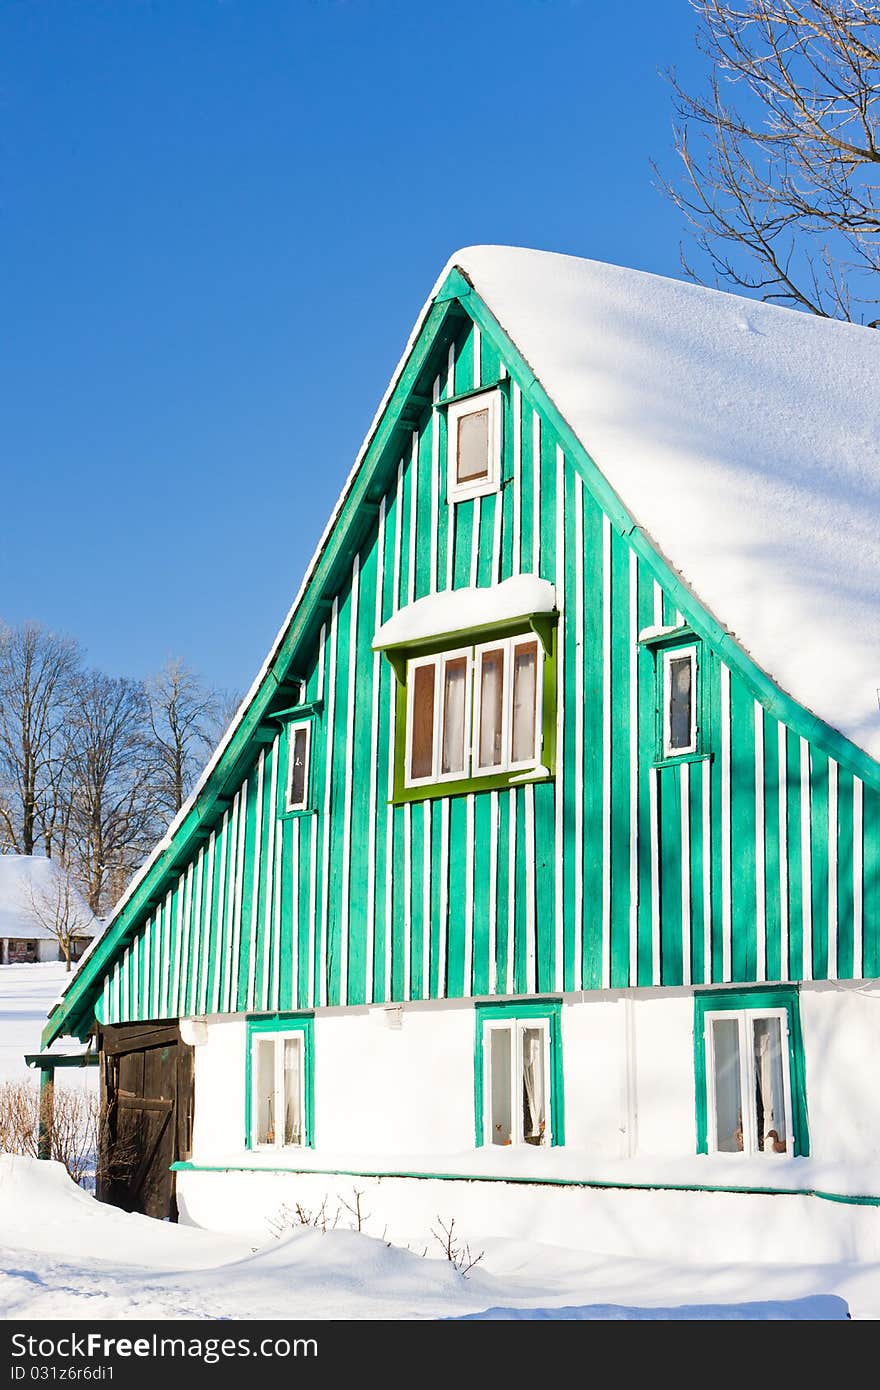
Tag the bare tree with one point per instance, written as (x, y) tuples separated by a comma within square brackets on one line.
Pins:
[(184, 715), (781, 158), (59, 908), (113, 821), (37, 669)]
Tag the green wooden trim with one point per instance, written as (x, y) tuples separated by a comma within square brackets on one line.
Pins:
[(550, 1009), (519, 1180), (294, 713), (502, 383), (765, 997), (48, 1061), (283, 1023), (670, 638)]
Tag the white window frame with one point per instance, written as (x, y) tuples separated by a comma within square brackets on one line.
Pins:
[(679, 654), (745, 1018), (292, 730), (475, 487), (438, 661), (278, 1038), (516, 1026), (472, 656)]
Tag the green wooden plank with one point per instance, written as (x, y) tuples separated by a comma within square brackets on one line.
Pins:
[(592, 716), (520, 891), (844, 847), (505, 887), (772, 870), (360, 887), (547, 503), (711, 678), (743, 859), (871, 872), (484, 831), (669, 822), (572, 638), (795, 895), (545, 869), (819, 861), (620, 764), (695, 869), (647, 739), (455, 932), (527, 472)]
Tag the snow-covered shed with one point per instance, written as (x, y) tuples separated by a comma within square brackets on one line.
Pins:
[(39, 908)]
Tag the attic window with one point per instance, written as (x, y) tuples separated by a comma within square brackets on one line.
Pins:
[(474, 446)]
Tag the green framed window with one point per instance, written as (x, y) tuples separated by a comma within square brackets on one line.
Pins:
[(750, 1075), (518, 1082), (476, 715), (280, 1086)]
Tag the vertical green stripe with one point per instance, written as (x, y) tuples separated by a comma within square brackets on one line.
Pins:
[(772, 900), (545, 898), (743, 905), (871, 871), (592, 666), (620, 758), (844, 874), (795, 908), (647, 716), (819, 858)]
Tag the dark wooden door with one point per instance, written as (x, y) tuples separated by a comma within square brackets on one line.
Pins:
[(146, 1110)]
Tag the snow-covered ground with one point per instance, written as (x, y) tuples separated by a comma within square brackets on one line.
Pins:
[(64, 1255)]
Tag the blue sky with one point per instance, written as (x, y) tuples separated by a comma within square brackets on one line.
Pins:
[(218, 221)]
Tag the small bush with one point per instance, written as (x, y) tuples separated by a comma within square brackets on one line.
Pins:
[(74, 1126)]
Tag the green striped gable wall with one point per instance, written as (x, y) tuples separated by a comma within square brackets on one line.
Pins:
[(759, 862)]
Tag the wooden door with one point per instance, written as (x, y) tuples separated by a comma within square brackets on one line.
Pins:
[(146, 1115)]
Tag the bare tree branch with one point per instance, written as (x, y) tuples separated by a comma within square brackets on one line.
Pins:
[(781, 157)]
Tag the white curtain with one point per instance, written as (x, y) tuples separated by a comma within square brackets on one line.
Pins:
[(525, 664), (491, 704), (292, 1091), (453, 715), (769, 1084), (534, 1116)]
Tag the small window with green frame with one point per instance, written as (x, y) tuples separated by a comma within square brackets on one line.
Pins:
[(518, 1081), (750, 1076), (475, 712), (280, 1082)]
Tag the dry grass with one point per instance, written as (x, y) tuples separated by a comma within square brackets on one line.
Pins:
[(74, 1129)]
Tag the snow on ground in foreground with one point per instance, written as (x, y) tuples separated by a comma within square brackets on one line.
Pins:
[(64, 1255)]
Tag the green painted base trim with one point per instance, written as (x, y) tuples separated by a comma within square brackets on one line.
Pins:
[(860, 1200)]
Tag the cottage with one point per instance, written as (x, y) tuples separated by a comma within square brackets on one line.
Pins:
[(40, 909), (541, 862)]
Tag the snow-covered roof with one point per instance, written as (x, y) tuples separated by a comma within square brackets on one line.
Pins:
[(31, 886), (460, 610), (743, 438)]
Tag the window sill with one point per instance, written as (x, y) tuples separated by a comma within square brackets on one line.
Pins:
[(294, 815), (503, 781), (683, 758)]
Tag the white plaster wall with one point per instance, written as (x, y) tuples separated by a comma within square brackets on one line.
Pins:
[(400, 1098), (663, 1064), (219, 1118), (841, 1029), (407, 1090)]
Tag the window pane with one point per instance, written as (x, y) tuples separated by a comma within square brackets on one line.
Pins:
[(680, 696), (298, 767), (728, 1106), (293, 1126), (500, 1110), (264, 1089), (491, 705), (473, 446), (534, 1089), (769, 1092), (454, 682), (525, 669), (422, 758)]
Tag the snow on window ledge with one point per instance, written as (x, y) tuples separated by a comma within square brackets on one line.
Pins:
[(462, 610)]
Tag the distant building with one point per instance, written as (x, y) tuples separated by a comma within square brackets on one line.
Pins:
[(34, 893)]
